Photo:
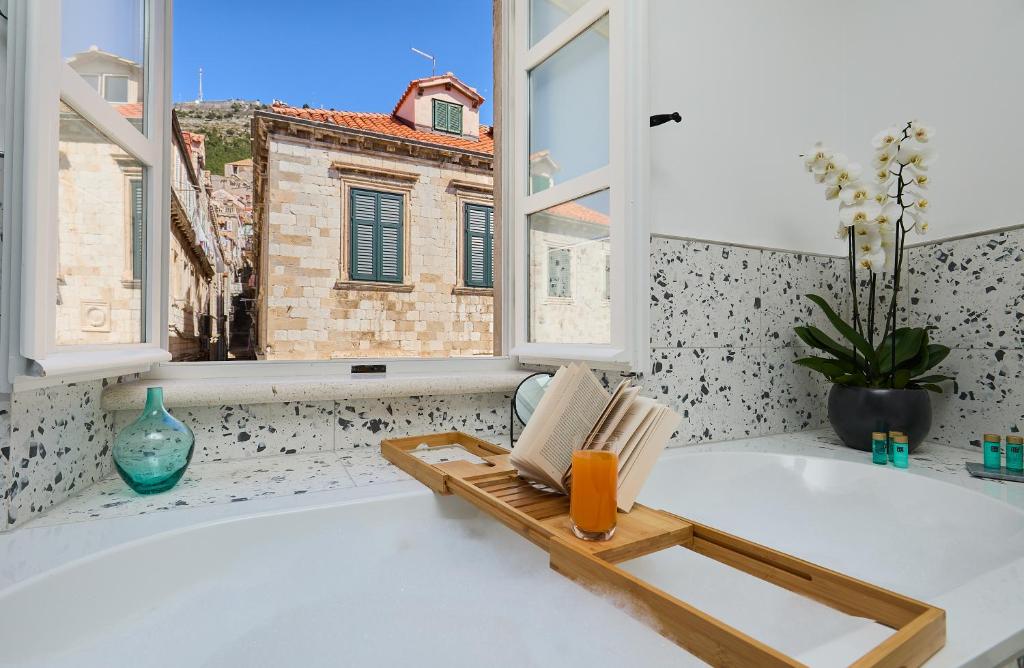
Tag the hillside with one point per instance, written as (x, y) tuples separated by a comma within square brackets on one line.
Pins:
[(226, 124)]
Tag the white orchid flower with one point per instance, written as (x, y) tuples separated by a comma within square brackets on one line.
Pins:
[(889, 214), (915, 155), (842, 232), (921, 205), (881, 197), (855, 193), (832, 192), (865, 212), (920, 181), (887, 138), (816, 158), (846, 176), (885, 157), (874, 262), (883, 177), (920, 131), (868, 238)]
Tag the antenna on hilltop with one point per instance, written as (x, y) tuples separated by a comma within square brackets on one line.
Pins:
[(200, 98), (433, 60)]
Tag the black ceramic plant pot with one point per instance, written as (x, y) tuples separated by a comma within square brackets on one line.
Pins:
[(856, 412)]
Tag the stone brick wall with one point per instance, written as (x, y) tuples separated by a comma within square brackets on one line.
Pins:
[(310, 310), (97, 300)]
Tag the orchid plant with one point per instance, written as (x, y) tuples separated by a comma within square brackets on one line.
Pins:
[(876, 214)]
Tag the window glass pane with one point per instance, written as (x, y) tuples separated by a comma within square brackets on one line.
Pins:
[(101, 238), (569, 247), (105, 39), (116, 89), (569, 102), (545, 15)]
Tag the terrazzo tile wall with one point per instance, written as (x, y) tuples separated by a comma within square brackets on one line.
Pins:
[(261, 430), (722, 340), (972, 290), (56, 441)]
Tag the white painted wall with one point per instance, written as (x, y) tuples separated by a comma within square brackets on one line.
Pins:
[(758, 82)]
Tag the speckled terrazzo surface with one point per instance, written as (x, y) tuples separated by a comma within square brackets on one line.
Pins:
[(237, 482)]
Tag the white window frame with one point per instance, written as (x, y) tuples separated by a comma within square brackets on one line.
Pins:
[(39, 81), (625, 176), (30, 194)]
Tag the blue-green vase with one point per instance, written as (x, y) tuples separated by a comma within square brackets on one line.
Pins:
[(152, 453)]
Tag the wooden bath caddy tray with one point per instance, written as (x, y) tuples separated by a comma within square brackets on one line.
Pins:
[(542, 517)]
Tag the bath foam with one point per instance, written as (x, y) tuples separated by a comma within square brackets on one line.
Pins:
[(541, 516)]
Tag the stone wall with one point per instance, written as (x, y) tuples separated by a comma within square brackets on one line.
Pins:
[(310, 310), (190, 297), (98, 301)]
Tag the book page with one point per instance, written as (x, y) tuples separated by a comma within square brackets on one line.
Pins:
[(647, 451), (620, 407), (617, 394), (563, 419)]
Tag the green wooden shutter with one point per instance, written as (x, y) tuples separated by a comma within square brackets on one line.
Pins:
[(441, 115), (389, 235), (455, 118), (376, 247), (363, 208), (479, 246), (138, 230)]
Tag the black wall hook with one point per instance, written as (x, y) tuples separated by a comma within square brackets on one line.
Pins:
[(658, 119)]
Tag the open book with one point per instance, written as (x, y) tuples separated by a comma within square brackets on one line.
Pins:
[(576, 413)]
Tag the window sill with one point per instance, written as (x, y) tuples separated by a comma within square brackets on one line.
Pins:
[(374, 287), (466, 290), (221, 391)]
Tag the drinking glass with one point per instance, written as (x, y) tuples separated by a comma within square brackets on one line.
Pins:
[(593, 494)]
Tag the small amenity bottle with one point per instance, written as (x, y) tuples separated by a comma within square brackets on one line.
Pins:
[(1015, 454), (992, 451), (879, 448), (901, 452), (892, 442), (593, 495)]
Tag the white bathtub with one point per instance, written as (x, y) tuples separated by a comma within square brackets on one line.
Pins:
[(415, 579)]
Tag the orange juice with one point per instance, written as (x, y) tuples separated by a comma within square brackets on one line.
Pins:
[(592, 498)]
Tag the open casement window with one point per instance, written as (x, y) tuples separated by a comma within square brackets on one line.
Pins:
[(579, 147), (87, 188), (479, 245), (376, 236)]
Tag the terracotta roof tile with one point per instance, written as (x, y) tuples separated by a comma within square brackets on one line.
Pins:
[(129, 110), (386, 124), (577, 212)]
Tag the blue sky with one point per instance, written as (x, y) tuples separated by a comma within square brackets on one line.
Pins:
[(342, 54)]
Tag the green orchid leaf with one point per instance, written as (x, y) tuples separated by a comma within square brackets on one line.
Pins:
[(828, 367), (909, 343), (851, 379), (935, 378), (931, 388), (936, 354), (851, 334), (901, 378), (816, 338)]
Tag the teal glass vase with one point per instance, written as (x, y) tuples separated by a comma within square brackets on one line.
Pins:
[(152, 453)]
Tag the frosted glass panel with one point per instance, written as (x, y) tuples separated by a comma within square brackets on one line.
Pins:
[(104, 41), (569, 103), (569, 251), (545, 15), (101, 238)]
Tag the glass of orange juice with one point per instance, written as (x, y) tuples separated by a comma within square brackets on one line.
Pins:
[(592, 496)]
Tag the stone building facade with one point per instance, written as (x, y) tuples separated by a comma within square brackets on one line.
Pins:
[(197, 283), (423, 291)]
